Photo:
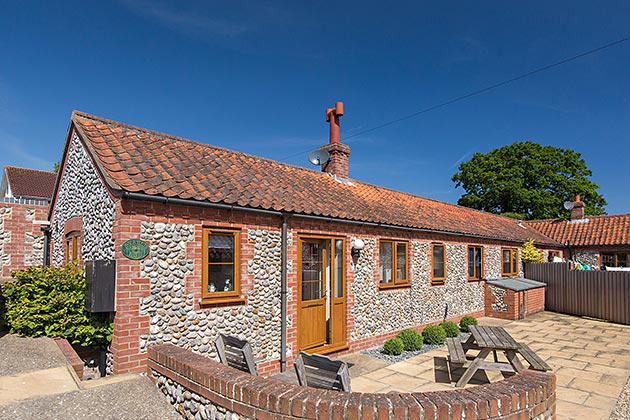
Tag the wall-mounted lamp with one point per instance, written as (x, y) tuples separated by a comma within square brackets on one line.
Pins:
[(357, 245)]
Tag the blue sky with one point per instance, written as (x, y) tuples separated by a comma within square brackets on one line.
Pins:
[(256, 76)]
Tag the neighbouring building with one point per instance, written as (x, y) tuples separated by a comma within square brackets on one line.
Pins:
[(207, 240), (595, 241), (24, 198)]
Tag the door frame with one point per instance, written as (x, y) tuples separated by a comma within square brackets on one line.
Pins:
[(336, 305)]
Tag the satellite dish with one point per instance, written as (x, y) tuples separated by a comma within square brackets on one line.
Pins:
[(568, 205), (318, 157)]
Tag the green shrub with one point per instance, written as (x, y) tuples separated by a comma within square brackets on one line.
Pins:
[(393, 346), (412, 341), (434, 334), (49, 302), (451, 328), (467, 321)]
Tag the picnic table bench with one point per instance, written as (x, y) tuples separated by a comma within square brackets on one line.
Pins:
[(489, 339), (236, 353)]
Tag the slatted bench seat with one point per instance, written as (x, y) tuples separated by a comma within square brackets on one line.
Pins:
[(456, 352), (236, 353), (319, 371), (535, 362)]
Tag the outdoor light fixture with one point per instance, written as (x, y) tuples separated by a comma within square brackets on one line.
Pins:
[(357, 245)]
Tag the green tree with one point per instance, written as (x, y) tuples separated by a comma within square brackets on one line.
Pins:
[(56, 167), (529, 179), (529, 252)]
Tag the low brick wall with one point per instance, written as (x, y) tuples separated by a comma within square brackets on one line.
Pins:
[(505, 303), (71, 356), (202, 388)]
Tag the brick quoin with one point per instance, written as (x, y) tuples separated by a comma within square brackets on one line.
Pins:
[(18, 225)]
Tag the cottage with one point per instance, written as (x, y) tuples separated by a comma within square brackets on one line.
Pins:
[(24, 198), (595, 241), (207, 240)]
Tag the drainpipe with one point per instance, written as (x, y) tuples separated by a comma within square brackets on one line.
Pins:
[(283, 295), (46, 231)]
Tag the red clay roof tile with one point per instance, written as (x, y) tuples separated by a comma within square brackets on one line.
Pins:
[(598, 231), (30, 182), (159, 164)]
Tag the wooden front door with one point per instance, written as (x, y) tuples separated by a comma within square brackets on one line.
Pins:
[(321, 294)]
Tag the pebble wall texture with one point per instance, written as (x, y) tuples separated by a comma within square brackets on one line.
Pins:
[(36, 257), (170, 306), (82, 193), (190, 405), (499, 304), (586, 257), (5, 237), (378, 312)]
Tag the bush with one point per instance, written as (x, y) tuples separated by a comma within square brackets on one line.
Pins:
[(467, 321), (412, 341), (49, 302), (529, 252), (434, 334), (451, 328), (393, 346)]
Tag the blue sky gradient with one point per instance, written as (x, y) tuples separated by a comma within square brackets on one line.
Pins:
[(256, 77)]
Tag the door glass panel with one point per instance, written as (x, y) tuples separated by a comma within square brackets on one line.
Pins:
[(338, 268), (312, 269)]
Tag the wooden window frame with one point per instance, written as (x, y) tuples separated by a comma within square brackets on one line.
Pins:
[(513, 261), (219, 297), (71, 247), (615, 256), (395, 283), (437, 281), (477, 276)]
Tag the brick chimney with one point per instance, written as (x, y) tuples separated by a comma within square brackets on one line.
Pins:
[(577, 212), (339, 153)]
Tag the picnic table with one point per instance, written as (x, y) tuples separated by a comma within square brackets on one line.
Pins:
[(489, 339)]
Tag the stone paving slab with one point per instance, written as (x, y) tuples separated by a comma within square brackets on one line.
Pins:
[(24, 354), (589, 357)]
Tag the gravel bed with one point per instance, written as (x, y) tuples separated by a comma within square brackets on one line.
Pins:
[(377, 352), (622, 408)]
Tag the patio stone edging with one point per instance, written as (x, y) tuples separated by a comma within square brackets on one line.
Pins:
[(202, 388)]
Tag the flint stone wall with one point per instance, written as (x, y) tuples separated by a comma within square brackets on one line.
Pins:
[(82, 193), (587, 257), (170, 306), (379, 312)]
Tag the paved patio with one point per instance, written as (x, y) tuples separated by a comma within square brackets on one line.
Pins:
[(589, 357)]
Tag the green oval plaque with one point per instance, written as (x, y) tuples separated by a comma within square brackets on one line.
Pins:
[(135, 249)]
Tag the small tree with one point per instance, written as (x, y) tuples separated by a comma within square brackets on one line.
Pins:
[(529, 252)]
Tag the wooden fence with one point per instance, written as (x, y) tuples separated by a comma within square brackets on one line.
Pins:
[(597, 294)]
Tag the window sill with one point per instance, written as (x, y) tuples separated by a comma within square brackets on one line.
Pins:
[(438, 282), (475, 280), (232, 300), (382, 286)]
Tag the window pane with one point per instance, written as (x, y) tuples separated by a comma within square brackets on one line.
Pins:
[(506, 261), (514, 261), (401, 261), (438, 261), (312, 264), (338, 268), (220, 278), (385, 252), (220, 247), (471, 262), (608, 260), (622, 260)]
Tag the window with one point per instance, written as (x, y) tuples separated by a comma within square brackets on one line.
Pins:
[(475, 263), (220, 271), (509, 262), (615, 259), (393, 264), (553, 255), (438, 264), (71, 247)]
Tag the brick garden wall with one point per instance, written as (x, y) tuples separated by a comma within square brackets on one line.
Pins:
[(21, 237), (200, 387)]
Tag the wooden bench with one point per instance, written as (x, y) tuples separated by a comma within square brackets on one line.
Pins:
[(236, 353), (535, 362), (322, 372), (456, 352)]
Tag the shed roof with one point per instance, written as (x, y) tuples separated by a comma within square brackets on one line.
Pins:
[(138, 160), (517, 284)]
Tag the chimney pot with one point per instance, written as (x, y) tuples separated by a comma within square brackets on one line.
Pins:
[(339, 153)]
